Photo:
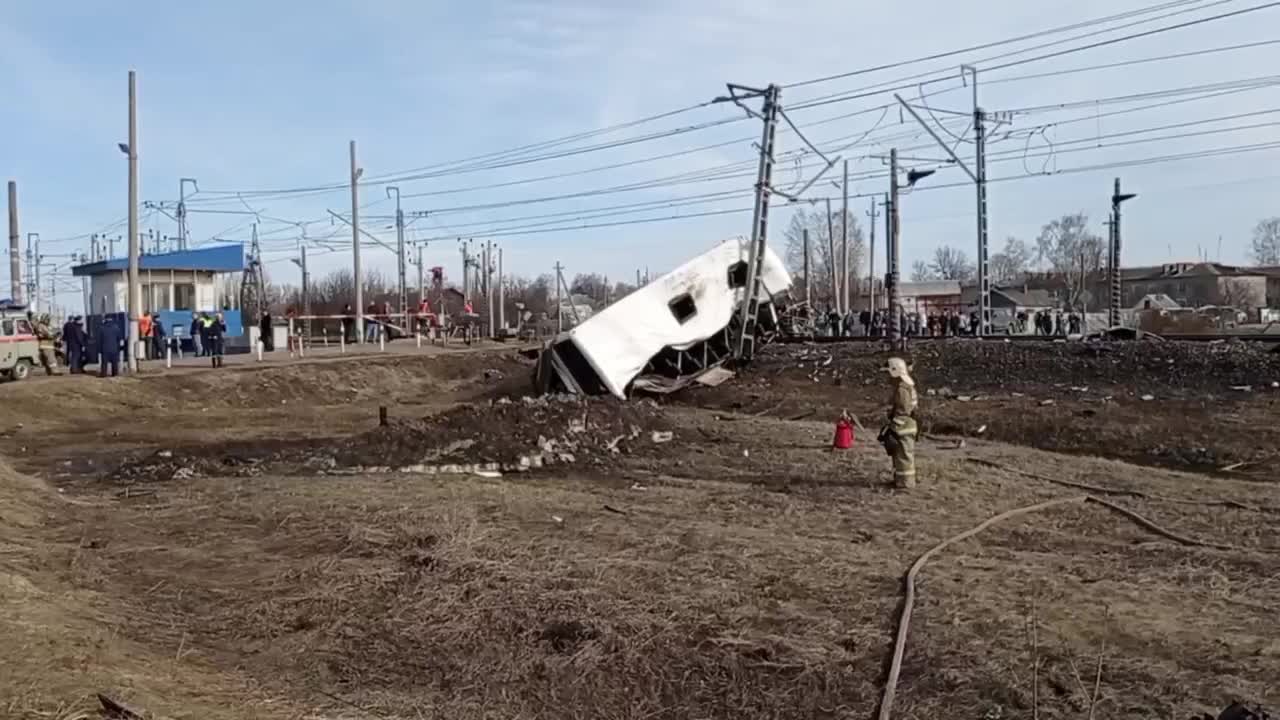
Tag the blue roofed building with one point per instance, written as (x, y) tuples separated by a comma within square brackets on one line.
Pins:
[(174, 285)]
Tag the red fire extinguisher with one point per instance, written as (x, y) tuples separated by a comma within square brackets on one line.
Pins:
[(844, 433)]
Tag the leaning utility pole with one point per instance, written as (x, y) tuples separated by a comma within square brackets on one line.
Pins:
[(355, 245), (808, 280), (759, 223), (400, 256), (891, 278), (831, 264), (844, 245), (15, 262), (871, 257), (135, 289)]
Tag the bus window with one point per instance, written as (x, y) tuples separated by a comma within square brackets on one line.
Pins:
[(23, 327), (6, 328)]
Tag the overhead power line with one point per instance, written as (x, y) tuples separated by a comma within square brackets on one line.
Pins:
[(948, 74), (1134, 36), (540, 228), (522, 155), (997, 43)]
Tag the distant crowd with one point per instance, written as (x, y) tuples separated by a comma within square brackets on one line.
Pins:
[(947, 323)]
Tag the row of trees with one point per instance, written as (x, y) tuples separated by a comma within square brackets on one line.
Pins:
[(1064, 246), (332, 292), (827, 257)]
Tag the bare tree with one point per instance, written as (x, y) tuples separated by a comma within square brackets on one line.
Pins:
[(1238, 293), (951, 264), (920, 272), (1011, 263), (821, 263), (593, 285), (1266, 242), (1068, 249)]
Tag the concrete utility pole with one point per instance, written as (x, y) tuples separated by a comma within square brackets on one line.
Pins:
[(422, 287), (182, 210), (888, 246), (462, 247), (301, 262), (871, 258), (891, 278), (1116, 199), (831, 264), (34, 259), (844, 245), (559, 305), (488, 284), (355, 244), (979, 176), (808, 279), (502, 299), (135, 289), (15, 262), (400, 256), (980, 169)]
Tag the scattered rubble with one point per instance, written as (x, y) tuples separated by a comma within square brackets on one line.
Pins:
[(482, 439)]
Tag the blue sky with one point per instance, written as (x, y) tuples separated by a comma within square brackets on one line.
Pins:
[(250, 96)]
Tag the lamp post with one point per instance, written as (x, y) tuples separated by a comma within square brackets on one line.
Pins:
[(1117, 198)]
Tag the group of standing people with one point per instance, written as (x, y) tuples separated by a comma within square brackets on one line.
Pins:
[(1049, 323), (875, 323), (208, 335)]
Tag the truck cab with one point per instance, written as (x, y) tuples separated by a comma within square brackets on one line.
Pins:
[(19, 348)]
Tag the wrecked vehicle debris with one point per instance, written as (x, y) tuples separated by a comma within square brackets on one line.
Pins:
[(667, 334)]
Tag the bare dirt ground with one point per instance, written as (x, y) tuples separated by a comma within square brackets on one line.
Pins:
[(1196, 406), (251, 544)]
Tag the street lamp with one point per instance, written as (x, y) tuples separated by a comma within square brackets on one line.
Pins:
[(914, 176), (1117, 198)]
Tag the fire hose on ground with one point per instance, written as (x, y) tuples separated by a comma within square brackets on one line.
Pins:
[(908, 602)]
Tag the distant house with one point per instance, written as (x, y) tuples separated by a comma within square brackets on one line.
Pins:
[(1156, 301), (930, 297), (1019, 299), (1188, 284), (1197, 284)]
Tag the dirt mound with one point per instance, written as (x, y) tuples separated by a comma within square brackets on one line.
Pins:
[(501, 435), (320, 382), (514, 435)]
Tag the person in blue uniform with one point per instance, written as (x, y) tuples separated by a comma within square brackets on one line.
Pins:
[(109, 341)]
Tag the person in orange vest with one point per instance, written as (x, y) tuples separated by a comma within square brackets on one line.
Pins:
[(466, 308), (144, 334)]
